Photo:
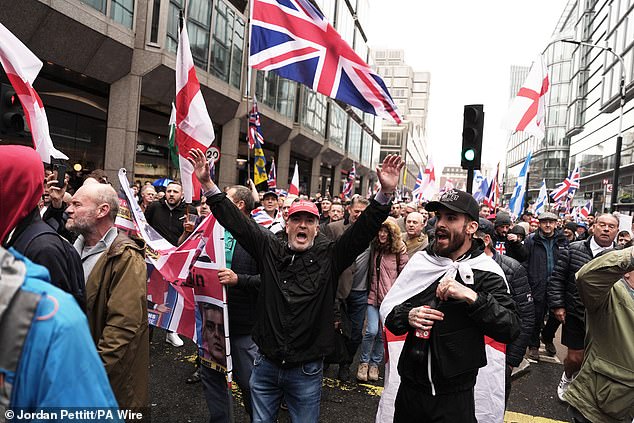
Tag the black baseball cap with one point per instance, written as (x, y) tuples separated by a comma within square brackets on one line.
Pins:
[(273, 193), (486, 226), (458, 201)]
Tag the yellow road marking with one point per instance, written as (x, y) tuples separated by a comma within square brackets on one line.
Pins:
[(513, 417)]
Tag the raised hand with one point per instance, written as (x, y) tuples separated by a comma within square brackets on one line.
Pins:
[(55, 193), (201, 168), (390, 172)]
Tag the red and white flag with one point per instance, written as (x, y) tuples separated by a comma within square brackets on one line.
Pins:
[(429, 181), (528, 108), (294, 188), (193, 124), (22, 67)]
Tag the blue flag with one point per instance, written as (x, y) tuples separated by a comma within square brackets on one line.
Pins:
[(519, 192)]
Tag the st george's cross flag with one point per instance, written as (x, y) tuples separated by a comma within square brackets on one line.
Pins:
[(293, 189), (22, 67), (293, 39), (528, 109), (193, 124)]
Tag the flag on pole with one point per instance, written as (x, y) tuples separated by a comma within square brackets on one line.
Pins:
[(294, 188), (259, 164), (481, 186), (22, 67), (418, 190), (254, 133), (171, 142), (586, 210), (193, 124), (542, 199), (429, 180), (493, 194), (528, 108), (519, 192), (272, 180), (348, 188), (293, 39), (568, 185)]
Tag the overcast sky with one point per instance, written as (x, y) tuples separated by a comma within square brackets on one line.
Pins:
[(469, 47)]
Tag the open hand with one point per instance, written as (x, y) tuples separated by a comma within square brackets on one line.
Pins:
[(201, 168), (390, 172)]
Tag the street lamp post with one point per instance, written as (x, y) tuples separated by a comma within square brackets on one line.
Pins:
[(619, 138)]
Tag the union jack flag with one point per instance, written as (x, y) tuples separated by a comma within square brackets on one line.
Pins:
[(586, 210), (254, 133), (417, 192), (293, 39), (348, 188), (500, 247), (568, 187), (272, 181), (492, 196)]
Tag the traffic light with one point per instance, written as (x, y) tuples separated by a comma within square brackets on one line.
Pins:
[(12, 115), (472, 136)]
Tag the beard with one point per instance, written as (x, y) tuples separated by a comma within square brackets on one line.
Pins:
[(454, 241), (82, 225)]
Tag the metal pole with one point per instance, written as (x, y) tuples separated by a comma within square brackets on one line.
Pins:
[(619, 137), (470, 172)]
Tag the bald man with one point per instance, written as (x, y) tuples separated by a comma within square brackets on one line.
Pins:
[(116, 292), (414, 238)]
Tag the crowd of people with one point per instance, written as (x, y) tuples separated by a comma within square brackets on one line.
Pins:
[(312, 282)]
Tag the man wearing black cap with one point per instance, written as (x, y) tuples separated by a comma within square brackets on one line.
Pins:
[(544, 247), (295, 319), (506, 243), (446, 300), (570, 231)]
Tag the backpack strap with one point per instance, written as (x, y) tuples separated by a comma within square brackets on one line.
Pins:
[(17, 310)]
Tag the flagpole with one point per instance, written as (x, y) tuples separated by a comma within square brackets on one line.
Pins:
[(247, 85)]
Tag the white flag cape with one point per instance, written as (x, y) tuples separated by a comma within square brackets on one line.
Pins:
[(421, 271)]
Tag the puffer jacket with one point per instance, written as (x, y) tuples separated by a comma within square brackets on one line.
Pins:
[(537, 263), (521, 293), (562, 287)]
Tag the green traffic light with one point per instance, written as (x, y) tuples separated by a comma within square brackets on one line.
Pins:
[(469, 154)]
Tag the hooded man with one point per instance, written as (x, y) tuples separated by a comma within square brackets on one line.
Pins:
[(21, 226)]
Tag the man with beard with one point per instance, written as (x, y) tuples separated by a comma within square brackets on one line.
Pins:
[(325, 211), (544, 247), (563, 296), (167, 217), (446, 300), (294, 325), (505, 242)]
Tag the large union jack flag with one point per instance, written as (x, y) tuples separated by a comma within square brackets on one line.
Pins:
[(293, 39)]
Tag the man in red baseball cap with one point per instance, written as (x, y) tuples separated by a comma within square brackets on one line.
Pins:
[(299, 278)]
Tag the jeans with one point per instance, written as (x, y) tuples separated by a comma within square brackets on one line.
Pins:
[(217, 395), (372, 344), (243, 354), (300, 387), (540, 308), (357, 303)]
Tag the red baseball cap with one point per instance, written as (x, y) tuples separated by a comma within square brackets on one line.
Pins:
[(304, 206)]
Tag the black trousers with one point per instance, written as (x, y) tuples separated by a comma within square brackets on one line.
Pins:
[(413, 406)]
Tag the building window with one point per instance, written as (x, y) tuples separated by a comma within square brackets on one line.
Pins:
[(198, 26), (313, 114), (337, 125), (122, 11), (228, 37), (156, 12), (173, 24), (100, 5)]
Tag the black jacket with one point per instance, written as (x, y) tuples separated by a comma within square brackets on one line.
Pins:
[(521, 293), (537, 262), (562, 286), (242, 298), (168, 223), (456, 342), (38, 242), (297, 292)]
